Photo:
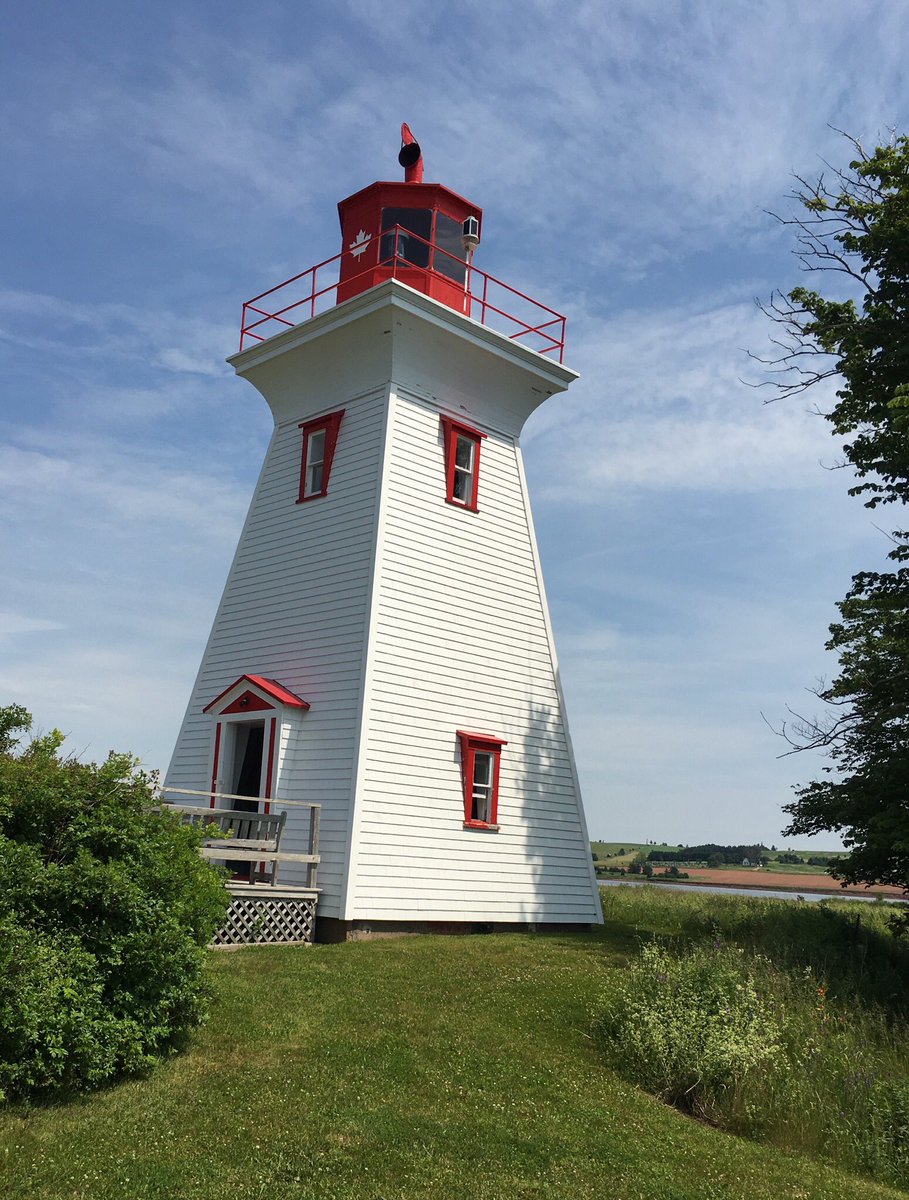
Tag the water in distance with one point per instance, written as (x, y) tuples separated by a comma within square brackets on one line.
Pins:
[(767, 893)]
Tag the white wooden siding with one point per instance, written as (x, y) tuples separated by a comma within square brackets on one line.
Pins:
[(460, 641), (294, 609), (401, 619)]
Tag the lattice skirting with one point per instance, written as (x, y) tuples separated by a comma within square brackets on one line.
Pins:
[(260, 917)]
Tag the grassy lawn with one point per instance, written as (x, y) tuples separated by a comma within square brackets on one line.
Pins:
[(414, 1067), (630, 849)]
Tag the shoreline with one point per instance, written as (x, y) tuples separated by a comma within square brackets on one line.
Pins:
[(885, 892)]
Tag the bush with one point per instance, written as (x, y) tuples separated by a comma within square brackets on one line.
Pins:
[(105, 913), (689, 1028), (826, 983), (673, 872)]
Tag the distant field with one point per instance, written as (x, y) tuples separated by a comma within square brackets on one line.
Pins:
[(765, 877), (622, 854), (608, 849), (618, 856), (797, 868)]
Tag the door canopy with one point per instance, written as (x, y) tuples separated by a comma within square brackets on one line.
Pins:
[(253, 693)]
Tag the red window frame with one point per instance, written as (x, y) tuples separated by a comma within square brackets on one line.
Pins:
[(473, 744), (451, 431), (328, 425)]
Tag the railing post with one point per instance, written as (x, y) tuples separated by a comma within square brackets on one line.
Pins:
[(255, 317), (313, 845)]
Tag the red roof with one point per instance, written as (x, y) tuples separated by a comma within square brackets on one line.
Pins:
[(270, 687)]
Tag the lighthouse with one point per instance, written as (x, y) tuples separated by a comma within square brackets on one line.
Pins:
[(382, 654)]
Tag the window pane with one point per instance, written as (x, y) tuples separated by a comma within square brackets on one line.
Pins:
[(464, 454), (482, 788), (315, 452), (418, 221), (314, 479), (448, 237), (462, 487), (481, 805), (482, 770), (315, 457)]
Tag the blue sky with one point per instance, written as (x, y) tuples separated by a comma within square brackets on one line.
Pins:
[(164, 162)]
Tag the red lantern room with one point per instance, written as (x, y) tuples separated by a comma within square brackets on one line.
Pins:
[(423, 234)]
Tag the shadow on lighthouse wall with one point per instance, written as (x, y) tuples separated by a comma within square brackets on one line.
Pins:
[(550, 820)]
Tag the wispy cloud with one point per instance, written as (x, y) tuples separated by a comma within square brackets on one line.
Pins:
[(661, 405), (116, 332), (14, 624), (156, 172)]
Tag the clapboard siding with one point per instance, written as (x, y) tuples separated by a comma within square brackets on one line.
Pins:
[(294, 608), (460, 641), (401, 619)]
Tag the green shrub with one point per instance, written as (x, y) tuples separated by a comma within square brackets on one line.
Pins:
[(105, 912), (797, 1036), (690, 1027), (54, 1028)]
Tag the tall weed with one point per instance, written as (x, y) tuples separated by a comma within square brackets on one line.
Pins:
[(796, 1035), (691, 1027)]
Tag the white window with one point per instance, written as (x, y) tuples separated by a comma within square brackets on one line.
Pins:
[(462, 483), (480, 761), (481, 797), (462, 463), (315, 463), (320, 437)]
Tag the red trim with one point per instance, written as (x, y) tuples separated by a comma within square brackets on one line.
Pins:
[(413, 171), (248, 702), (271, 687), (269, 773), (471, 745), (330, 423), (451, 431), (214, 768), (357, 268)]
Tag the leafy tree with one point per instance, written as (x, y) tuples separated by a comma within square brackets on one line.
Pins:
[(856, 227), (105, 912)]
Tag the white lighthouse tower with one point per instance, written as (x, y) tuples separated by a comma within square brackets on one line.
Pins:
[(383, 648)]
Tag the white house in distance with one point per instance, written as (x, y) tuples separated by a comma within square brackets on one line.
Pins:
[(383, 646)]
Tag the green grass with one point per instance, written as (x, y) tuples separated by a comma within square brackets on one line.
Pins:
[(415, 1067), (814, 994), (611, 849)]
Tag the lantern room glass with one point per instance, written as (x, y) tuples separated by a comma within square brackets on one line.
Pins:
[(411, 250), (448, 257)]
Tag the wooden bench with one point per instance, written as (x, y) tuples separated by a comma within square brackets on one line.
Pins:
[(251, 837)]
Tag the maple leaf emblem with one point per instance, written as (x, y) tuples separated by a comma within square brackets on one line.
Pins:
[(359, 244)]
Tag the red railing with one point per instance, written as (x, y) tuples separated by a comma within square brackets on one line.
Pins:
[(316, 289)]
